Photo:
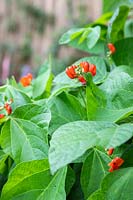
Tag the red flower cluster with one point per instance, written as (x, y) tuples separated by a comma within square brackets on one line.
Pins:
[(115, 164), (26, 80), (76, 71), (111, 48), (7, 108)]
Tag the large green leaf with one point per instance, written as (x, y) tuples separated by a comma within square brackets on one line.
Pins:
[(116, 185), (23, 140), (32, 181), (93, 171), (116, 24), (123, 54), (63, 110), (71, 140), (113, 4)]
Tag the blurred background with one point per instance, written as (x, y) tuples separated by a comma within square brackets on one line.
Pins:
[(30, 31)]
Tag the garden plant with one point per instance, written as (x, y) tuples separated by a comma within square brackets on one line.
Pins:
[(70, 136)]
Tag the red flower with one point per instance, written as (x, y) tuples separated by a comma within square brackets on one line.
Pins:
[(82, 80), (111, 47), (85, 66), (92, 69), (70, 71), (2, 116), (115, 164), (8, 108), (26, 80), (110, 151)]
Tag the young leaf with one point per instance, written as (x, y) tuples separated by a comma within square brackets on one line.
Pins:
[(113, 4), (71, 140), (70, 35), (94, 169), (93, 36)]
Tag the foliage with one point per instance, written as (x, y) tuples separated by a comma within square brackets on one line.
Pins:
[(55, 132)]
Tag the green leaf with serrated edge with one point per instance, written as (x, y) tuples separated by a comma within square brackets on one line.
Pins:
[(31, 185), (31, 140), (40, 115), (70, 35), (101, 71), (113, 4), (68, 103), (116, 185), (123, 54), (116, 24), (94, 169), (71, 140)]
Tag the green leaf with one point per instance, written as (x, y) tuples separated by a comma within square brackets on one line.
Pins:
[(123, 54), (101, 73), (116, 185), (40, 115), (87, 41), (28, 176), (3, 158), (128, 29), (19, 97), (68, 103), (70, 179), (62, 83), (31, 140), (93, 36), (56, 189), (94, 169), (127, 156), (71, 140), (40, 84), (116, 24), (29, 182), (70, 35), (113, 4), (110, 102)]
